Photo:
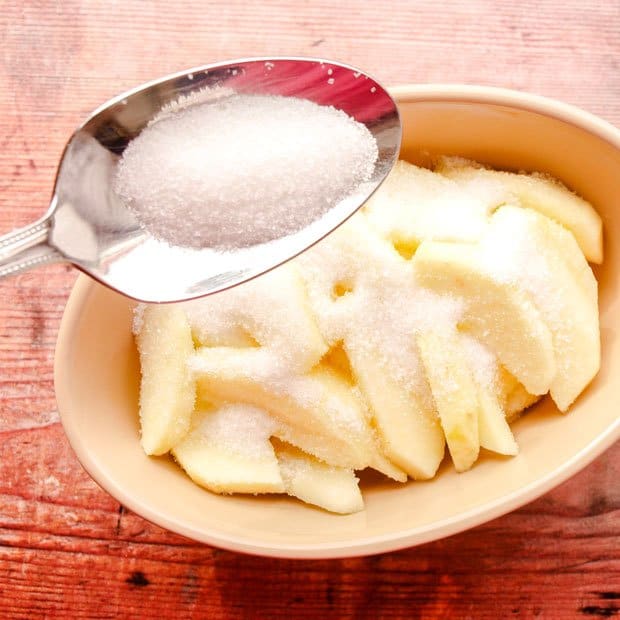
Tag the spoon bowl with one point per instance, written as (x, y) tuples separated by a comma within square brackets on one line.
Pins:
[(89, 226)]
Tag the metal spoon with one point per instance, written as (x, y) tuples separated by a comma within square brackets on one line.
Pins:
[(88, 225)]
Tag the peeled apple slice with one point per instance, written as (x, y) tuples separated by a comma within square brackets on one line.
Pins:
[(167, 389), (455, 395), (496, 313), (529, 250), (331, 488), (493, 429), (317, 412), (488, 375), (411, 435), (270, 314), (228, 451), (414, 204), (540, 193)]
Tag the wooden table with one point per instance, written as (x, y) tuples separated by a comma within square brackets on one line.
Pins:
[(67, 549)]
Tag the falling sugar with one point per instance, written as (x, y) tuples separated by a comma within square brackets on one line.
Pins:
[(234, 171)]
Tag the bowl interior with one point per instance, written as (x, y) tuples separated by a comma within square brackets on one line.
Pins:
[(97, 371)]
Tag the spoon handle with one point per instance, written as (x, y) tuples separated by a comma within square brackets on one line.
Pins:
[(25, 248)]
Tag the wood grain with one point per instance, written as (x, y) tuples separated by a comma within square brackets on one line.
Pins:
[(67, 549)]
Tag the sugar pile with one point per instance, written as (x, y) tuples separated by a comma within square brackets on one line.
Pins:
[(267, 318), (417, 204), (383, 307), (358, 291), (235, 171), (238, 429)]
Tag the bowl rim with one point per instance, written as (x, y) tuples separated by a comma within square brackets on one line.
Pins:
[(494, 95), (386, 542)]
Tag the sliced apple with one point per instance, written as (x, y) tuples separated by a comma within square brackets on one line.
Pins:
[(271, 312), (228, 451), (317, 412), (167, 389), (331, 488), (410, 433), (493, 428), (540, 193), (455, 395), (517, 402), (415, 204), (528, 250), (498, 314), (362, 320), (513, 397), (566, 247)]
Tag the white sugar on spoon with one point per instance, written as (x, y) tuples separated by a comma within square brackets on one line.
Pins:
[(223, 225), (242, 169)]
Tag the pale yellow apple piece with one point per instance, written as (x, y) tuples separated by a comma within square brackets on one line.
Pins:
[(167, 389), (518, 402), (533, 256), (410, 433), (362, 293), (455, 395), (318, 412), (381, 463), (493, 428), (565, 245), (271, 313), (414, 204), (314, 482), (227, 450), (513, 397), (503, 318), (543, 194)]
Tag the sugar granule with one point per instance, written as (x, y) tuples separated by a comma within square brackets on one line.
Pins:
[(138, 319), (229, 171), (383, 308), (238, 429)]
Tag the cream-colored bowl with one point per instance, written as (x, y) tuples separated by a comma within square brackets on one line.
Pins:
[(96, 368)]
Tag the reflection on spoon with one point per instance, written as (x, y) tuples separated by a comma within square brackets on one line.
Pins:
[(90, 227)]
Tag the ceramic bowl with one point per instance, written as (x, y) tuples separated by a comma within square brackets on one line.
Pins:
[(96, 366)]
